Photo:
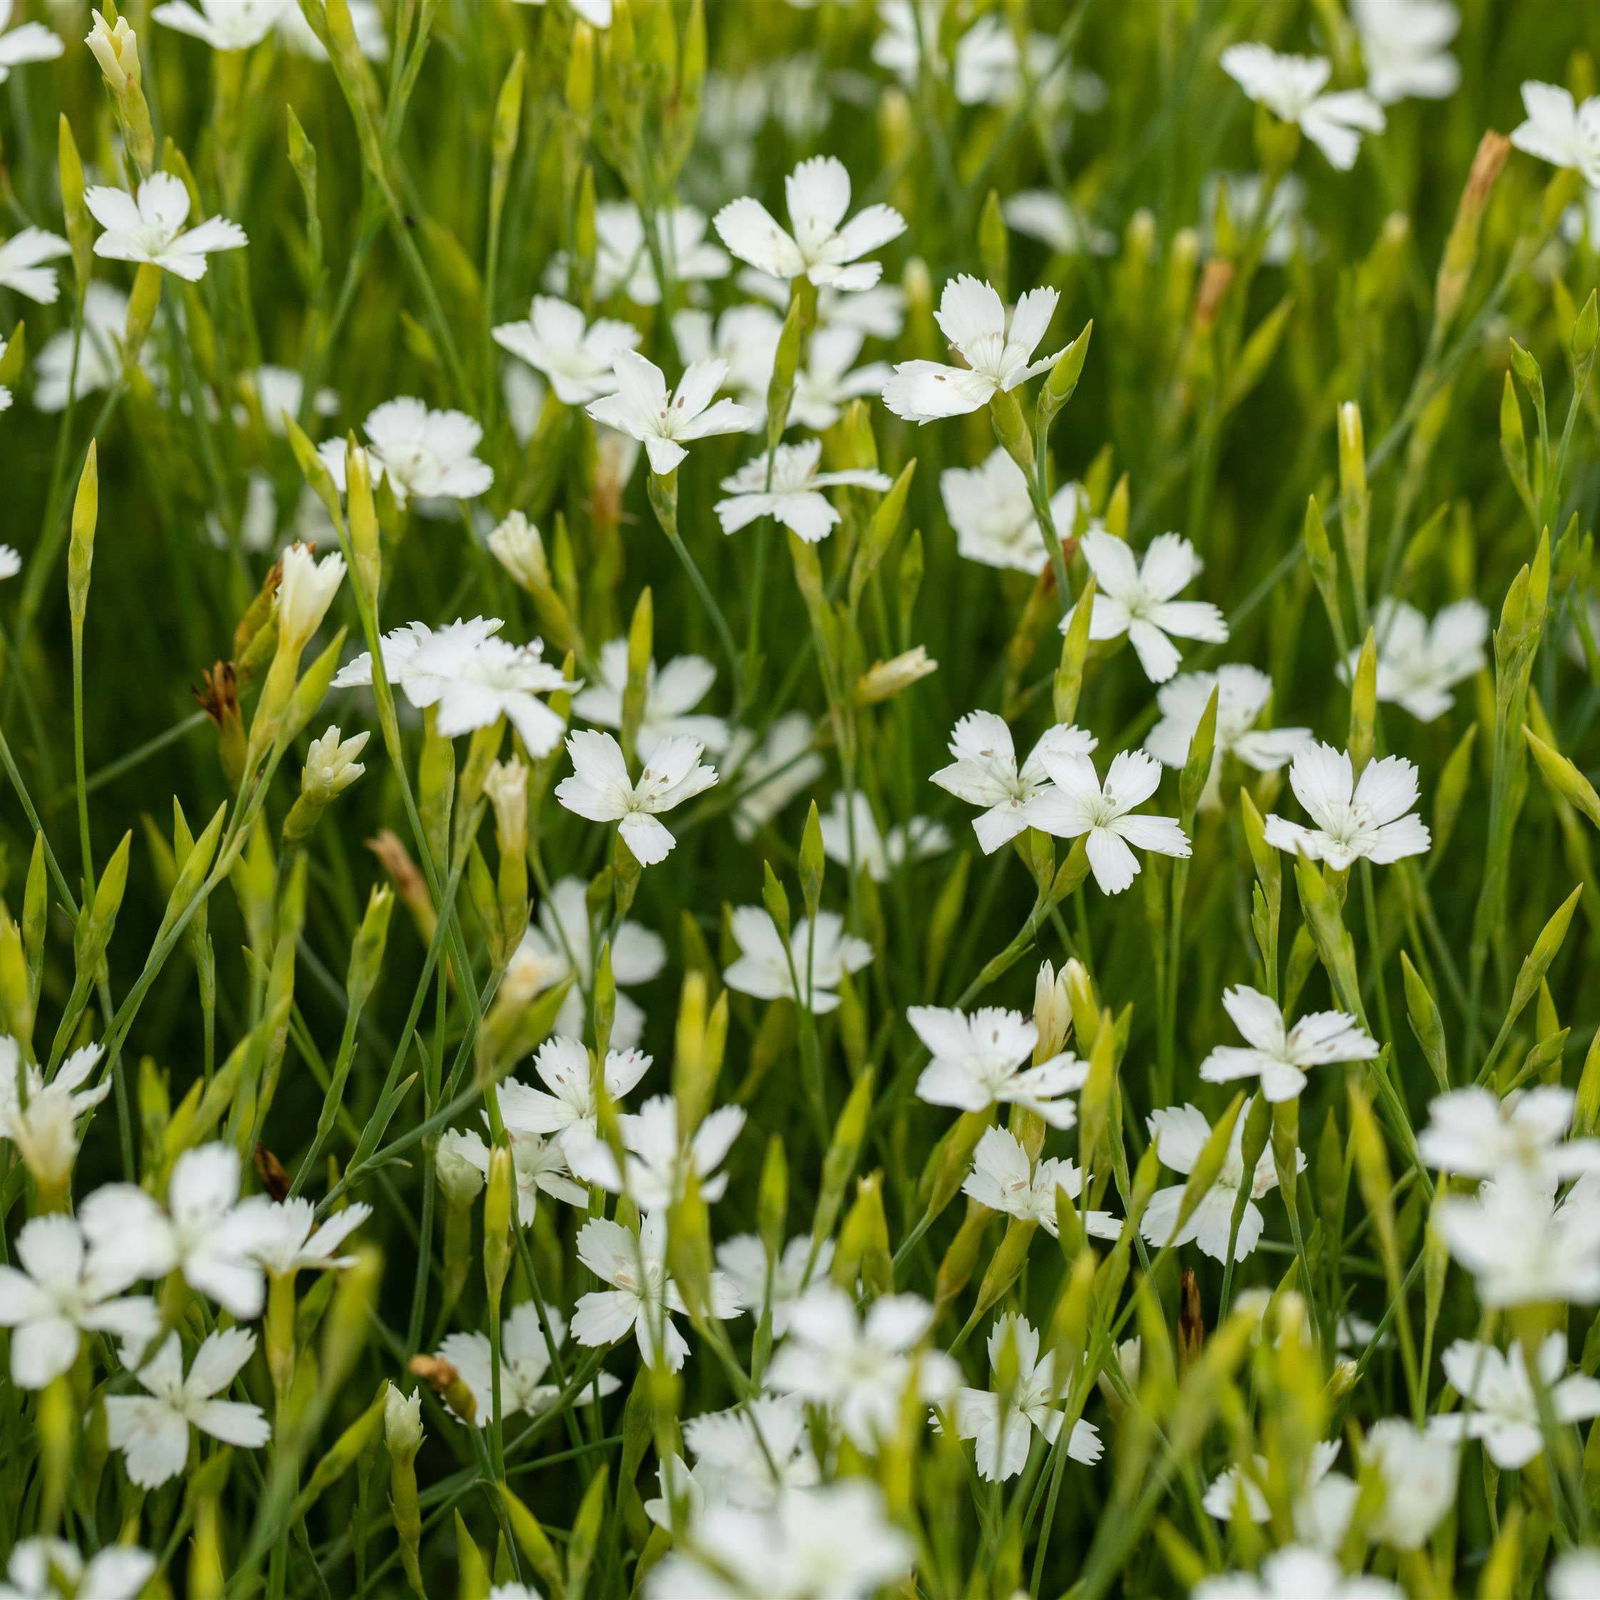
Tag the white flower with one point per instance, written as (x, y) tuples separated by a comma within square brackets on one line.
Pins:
[(22, 255), (622, 257), (1232, 1490), (989, 508), (222, 24), (1474, 1132), (1370, 820), (305, 592), (985, 773), (601, 790), (278, 392), (116, 1572), (750, 1455), (575, 358), (1419, 1482), (766, 777), (1574, 1575), (58, 1291), (1286, 229), (828, 379), (1180, 1133), (996, 345), (670, 696), (10, 557), (642, 1297), (1291, 88), (149, 227), (641, 407), (1521, 1245), (1001, 1179), (761, 1285), (850, 836), (289, 1239), (1295, 1573), (471, 676), (874, 313), (657, 1160), (538, 1166), (1279, 1056), (1137, 598), (424, 454), (1044, 215), (743, 337), (1420, 662), (202, 1232), (402, 1421), (791, 493), (1560, 131), (978, 1062), (808, 969), (28, 41), (366, 22), (560, 944), (818, 195), (569, 1109), (98, 355), (1080, 804), (152, 1430), (1403, 48), (1002, 1424), (861, 1369), (834, 1541), (44, 1129), (1504, 1409), (526, 1343)]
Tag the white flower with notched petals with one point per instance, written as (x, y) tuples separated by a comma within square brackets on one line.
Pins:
[(1419, 661), (985, 773), (851, 837), (152, 1429), (762, 1285), (39, 1566), (1418, 1471), (670, 696), (642, 408), (538, 1166), (750, 1455), (223, 24), (1137, 598), (1291, 87), (1521, 1245), (861, 1368), (656, 1158), (789, 488), (601, 790), (1371, 820), (808, 969), (1002, 1425), (1503, 1407), (1180, 1133), (148, 227), (574, 355), (1280, 1056), (290, 1240), (58, 1291), (768, 775), (1475, 1133), (1002, 1179), (424, 455), (1559, 130), (829, 379), (996, 344), (1079, 804), (28, 41), (622, 255), (642, 1297), (978, 1061), (990, 510), (819, 248), (1403, 48), (566, 1109), (41, 1119), (1295, 1573), (22, 259), (526, 1343)]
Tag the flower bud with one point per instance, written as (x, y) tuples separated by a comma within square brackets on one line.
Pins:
[(883, 680), (305, 592)]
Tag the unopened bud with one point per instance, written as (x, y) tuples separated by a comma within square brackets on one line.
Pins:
[(885, 679)]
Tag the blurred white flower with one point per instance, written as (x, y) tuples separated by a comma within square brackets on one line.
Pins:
[(1521, 1244), (1242, 695), (223, 24), (745, 340), (423, 454), (1475, 1133), (768, 775), (1403, 48), (573, 354), (23, 255), (808, 969), (1295, 1573), (1503, 1410), (670, 696), (1419, 661), (1419, 1482), (851, 837), (622, 255), (762, 1285), (1291, 87), (656, 1157), (116, 1572), (526, 1342), (992, 514), (28, 41), (1044, 215), (1559, 130)]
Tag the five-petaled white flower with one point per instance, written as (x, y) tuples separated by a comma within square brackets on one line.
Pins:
[(148, 226), (576, 357), (1370, 820), (1136, 598), (808, 969), (996, 344), (642, 408), (1291, 87), (37, 1566), (1503, 1407), (1419, 661), (1279, 1056), (1078, 803), (1002, 1180), (670, 696), (1403, 48), (657, 1158), (28, 41), (22, 259), (152, 1429), (792, 493), (425, 455), (1559, 130), (1475, 1133), (1002, 1425), (527, 1341), (978, 1061), (989, 508), (58, 1291), (601, 790), (289, 1239), (223, 24), (985, 773), (566, 1107), (818, 193)]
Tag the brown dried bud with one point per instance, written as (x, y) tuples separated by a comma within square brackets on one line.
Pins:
[(269, 1170)]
